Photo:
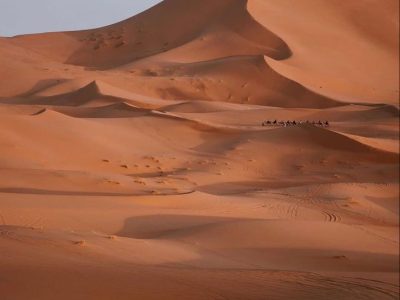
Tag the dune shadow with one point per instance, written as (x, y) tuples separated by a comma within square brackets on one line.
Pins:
[(101, 112), (245, 187), (157, 226), (177, 171), (59, 192), (31, 191)]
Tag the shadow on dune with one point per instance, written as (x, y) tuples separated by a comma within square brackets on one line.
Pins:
[(244, 187), (90, 93), (31, 191), (175, 172), (116, 110), (156, 226), (60, 193)]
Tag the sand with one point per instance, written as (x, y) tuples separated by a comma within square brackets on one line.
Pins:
[(133, 163)]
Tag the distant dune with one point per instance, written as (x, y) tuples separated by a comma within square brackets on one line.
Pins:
[(204, 149)]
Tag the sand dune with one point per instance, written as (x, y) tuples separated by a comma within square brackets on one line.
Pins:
[(128, 40), (203, 107), (251, 73), (313, 137), (117, 110), (91, 94), (134, 163), (359, 40)]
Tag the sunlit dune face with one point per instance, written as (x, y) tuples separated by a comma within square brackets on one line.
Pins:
[(203, 150)]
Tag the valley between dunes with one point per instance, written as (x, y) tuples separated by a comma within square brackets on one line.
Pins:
[(133, 163)]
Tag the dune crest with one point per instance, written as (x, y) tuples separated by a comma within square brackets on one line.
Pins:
[(203, 149)]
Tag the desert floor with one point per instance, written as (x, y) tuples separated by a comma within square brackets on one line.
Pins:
[(118, 182)]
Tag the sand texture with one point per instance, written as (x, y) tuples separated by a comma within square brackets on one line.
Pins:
[(133, 163)]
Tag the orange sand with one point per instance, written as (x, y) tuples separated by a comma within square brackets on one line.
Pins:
[(133, 163)]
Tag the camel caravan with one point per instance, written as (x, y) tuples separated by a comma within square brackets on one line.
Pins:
[(294, 123)]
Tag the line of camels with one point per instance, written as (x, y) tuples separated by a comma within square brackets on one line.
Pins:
[(294, 123)]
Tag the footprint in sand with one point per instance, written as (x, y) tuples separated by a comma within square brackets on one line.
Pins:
[(139, 181), (79, 243), (113, 182), (120, 44)]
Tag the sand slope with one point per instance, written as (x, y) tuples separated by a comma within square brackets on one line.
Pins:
[(133, 163), (359, 39)]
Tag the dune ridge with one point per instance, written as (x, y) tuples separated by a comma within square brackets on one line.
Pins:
[(136, 161)]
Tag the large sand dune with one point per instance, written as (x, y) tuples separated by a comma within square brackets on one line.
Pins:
[(133, 163)]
